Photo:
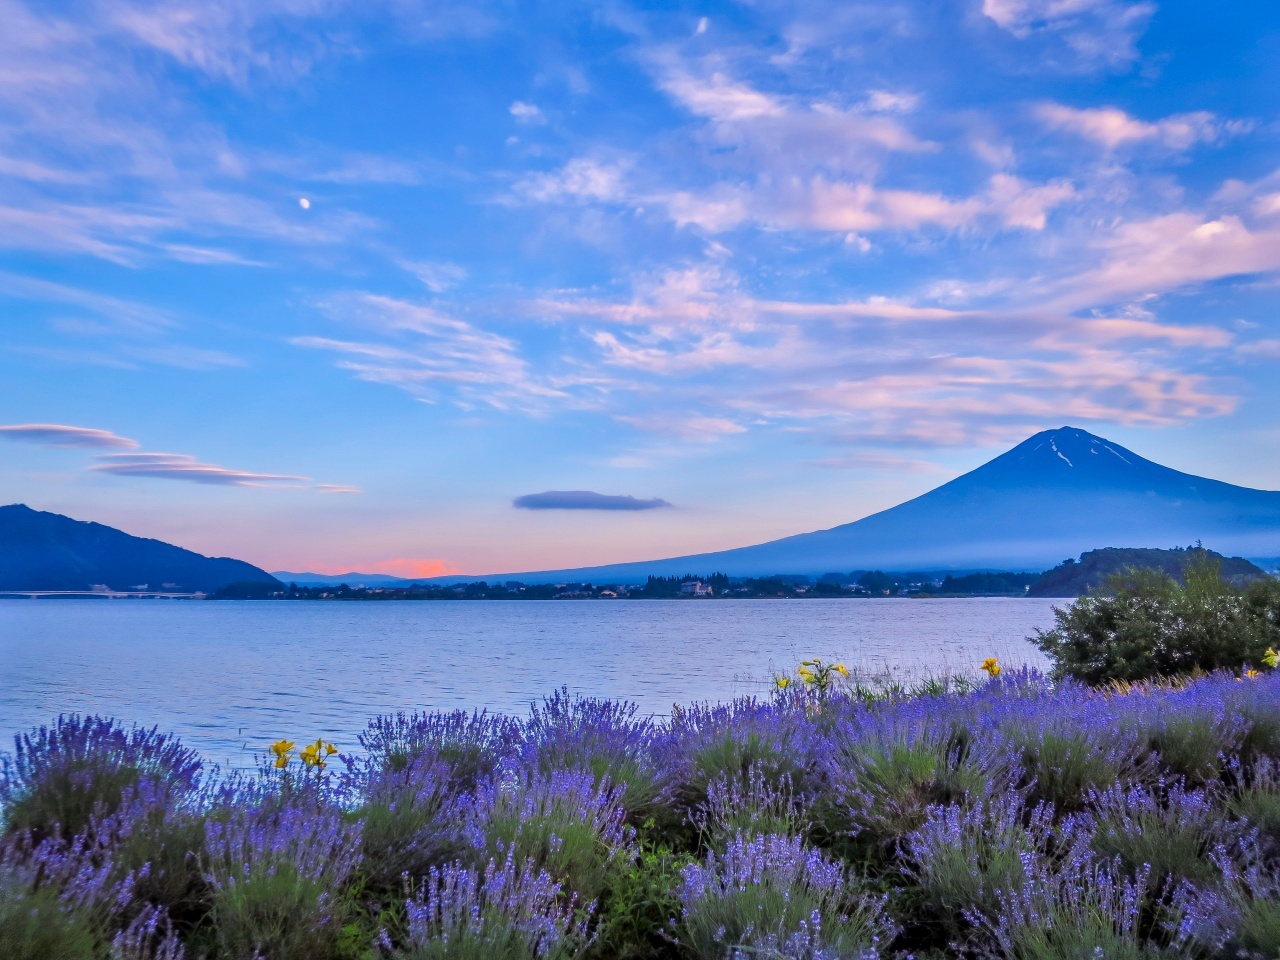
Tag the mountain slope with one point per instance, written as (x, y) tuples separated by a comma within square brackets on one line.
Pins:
[(47, 551), (1056, 495)]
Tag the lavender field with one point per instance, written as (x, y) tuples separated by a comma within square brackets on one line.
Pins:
[(1013, 818)]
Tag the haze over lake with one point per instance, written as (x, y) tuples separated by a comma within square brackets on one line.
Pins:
[(231, 677)]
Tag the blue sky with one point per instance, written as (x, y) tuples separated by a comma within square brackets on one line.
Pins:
[(331, 285)]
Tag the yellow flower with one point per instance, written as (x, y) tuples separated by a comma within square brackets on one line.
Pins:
[(330, 749), (1271, 658), (992, 666), (782, 682), (1250, 674), (282, 748), (841, 669), (282, 761)]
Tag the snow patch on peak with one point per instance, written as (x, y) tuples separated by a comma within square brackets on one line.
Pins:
[(1061, 456)]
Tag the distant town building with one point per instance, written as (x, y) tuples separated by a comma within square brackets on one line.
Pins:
[(696, 588)]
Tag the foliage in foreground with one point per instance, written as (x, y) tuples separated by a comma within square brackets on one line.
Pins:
[(1145, 625), (1017, 819)]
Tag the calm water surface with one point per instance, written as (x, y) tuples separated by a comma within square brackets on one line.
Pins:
[(231, 677)]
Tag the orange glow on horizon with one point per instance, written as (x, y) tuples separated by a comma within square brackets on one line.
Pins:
[(411, 568)]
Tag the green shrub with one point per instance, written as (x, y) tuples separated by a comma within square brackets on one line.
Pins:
[(636, 911), (1147, 626), (1062, 762), (34, 925)]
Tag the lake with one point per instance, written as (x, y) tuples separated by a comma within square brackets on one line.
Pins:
[(231, 677)]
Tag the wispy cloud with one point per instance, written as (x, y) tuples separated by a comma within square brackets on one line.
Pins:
[(1112, 127), (60, 435), (584, 500), (430, 354), (181, 466), (1093, 34), (164, 466)]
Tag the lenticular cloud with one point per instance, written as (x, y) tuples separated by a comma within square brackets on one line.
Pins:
[(584, 500), (61, 435)]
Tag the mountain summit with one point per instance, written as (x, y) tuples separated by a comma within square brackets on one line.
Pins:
[(1055, 495)]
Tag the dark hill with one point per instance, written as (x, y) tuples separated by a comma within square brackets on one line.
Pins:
[(47, 551), (1074, 578)]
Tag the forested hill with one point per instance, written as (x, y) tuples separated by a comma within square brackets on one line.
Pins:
[(47, 551), (1073, 578)]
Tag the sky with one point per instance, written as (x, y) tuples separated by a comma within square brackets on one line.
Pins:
[(418, 287)]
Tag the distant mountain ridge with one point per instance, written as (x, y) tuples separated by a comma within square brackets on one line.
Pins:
[(1057, 494), (47, 551), (351, 579)]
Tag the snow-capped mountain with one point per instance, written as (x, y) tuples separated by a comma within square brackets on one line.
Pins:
[(1053, 496)]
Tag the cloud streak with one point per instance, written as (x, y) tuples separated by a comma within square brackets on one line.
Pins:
[(181, 466), (60, 435), (162, 466)]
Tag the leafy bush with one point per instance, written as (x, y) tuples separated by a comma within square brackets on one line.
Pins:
[(1147, 626), (636, 912)]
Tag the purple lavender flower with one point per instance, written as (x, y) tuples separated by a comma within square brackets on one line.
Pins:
[(605, 738), (508, 912), (61, 776), (565, 823), (1076, 909), (150, 936), (275, 875), (965, 859), (472, 745), (771, 890)]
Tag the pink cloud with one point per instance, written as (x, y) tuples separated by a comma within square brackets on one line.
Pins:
[(1112, 127), (60, 435)]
